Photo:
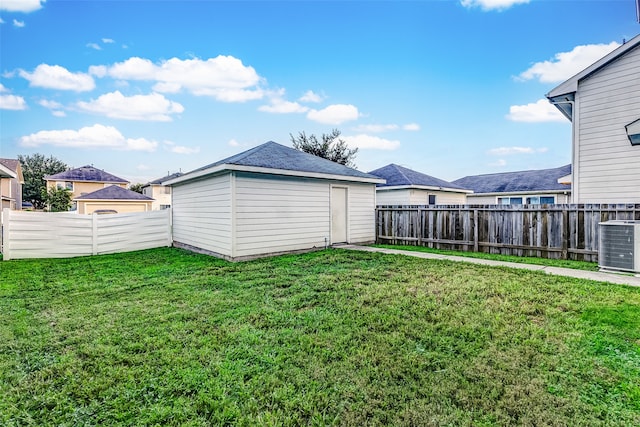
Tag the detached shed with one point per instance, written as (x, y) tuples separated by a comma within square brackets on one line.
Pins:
[(270, 200)]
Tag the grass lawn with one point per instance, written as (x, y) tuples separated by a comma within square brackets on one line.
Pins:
[(168, 337), (563, 263)]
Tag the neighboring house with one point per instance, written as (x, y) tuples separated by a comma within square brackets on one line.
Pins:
[(272, 199), (408, 187), (84, 180), (11, 181), (544, 186), (113, 199), (603, 104), (159, 192)]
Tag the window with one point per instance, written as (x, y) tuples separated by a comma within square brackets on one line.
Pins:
[(167, 190), (509, 200), (633, 132), (68, 185), (163, 207), (432, 199), (529, 200)]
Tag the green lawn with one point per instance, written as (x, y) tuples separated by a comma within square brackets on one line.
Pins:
[(562, 263), (167, 337)]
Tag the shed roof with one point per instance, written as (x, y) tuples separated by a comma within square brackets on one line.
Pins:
[(399, 176), (273, 158), (563, 95), (87, 174), (520, 181), (114, 192)]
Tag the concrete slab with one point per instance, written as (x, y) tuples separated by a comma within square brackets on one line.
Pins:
[(599, 276)]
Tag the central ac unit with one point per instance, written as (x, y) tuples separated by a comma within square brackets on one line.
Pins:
[(619, 247)]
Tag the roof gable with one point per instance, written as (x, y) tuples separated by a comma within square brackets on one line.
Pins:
[(114, 192), (272, 157), (9, 168), (396, 176), (519, 181), (571, 85), (86, 174)]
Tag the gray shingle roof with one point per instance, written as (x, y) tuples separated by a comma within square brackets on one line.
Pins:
[(113, 192), (397, 175), (85, 173), (272, 155), (11, 164), (164, 178), (511, 182)]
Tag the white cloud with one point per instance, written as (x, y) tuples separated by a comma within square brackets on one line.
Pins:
[(12, 102), (57, 77), (283, 107), (106, 41), (25, 6), (142, 167), (567, 64), (181, 149), (95, 46), (499, 163), (233, 143), (96, 136), (538, 112), (3, 89), (411, 127), (376, 128), (224, 78), (55, 107), (153, 107), (1, 21), (334, 114), (58, 113), (491, 4), (310, 96), (18, 24), (371, 142), (507, 151)]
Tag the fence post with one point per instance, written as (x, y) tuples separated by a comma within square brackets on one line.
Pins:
[(94, 233), (6, 234), (475, 230), (565, 233)]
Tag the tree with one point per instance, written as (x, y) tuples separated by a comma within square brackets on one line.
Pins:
[(34, 169), (331, 147), (136, 187), (57, 199)]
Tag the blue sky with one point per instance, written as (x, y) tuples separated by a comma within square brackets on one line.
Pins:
[(447, 88)]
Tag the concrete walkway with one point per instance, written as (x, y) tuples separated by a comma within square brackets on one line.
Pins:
[(621, 279)]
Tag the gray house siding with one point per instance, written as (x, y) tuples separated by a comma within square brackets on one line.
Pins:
[(606, 164)]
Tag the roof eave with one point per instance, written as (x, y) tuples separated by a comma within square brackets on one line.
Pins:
[(255, 169), (5, 172), (523, 193)]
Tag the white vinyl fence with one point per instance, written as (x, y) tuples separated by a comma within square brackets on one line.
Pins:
[(62, 235)]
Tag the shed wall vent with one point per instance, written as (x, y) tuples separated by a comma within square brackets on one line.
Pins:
[(619, 247)]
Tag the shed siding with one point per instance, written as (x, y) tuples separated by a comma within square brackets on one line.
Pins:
[(606, 162), (361, 228), (393, 197), (278, 214), (202, 214)]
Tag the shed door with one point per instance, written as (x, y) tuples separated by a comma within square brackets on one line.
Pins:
[(338, 215)]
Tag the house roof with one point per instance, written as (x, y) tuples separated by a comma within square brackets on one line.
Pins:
[(113, 192), (159, 181), (520, 181), (8, 168), (86, 174), (401, 177), (273, 158), (563, 94)]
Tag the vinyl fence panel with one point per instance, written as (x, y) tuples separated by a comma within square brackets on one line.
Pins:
[(62, 235)]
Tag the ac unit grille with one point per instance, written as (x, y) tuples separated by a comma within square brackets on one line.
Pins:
[(619, 245)]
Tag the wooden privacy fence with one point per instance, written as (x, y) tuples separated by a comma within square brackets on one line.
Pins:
[(546, 231), (62, 235)]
